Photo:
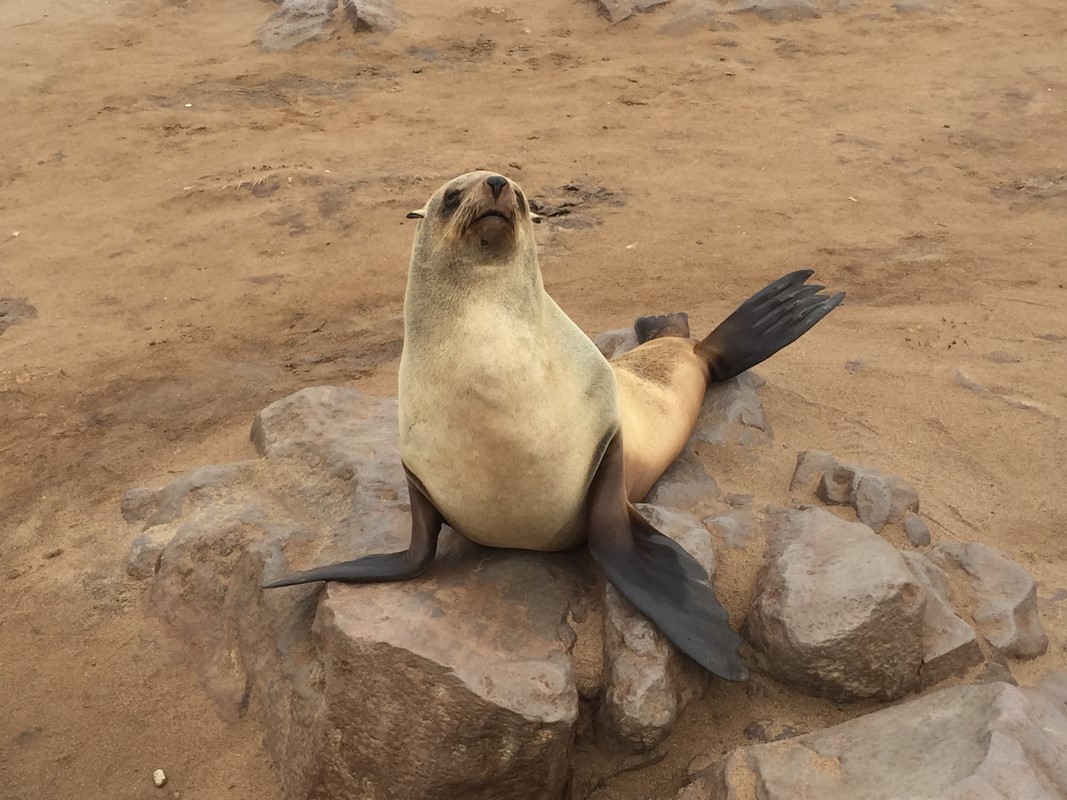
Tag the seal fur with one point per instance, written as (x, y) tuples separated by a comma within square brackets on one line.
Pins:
[(516, 431)]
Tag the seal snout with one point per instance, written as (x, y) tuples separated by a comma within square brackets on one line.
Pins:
[(496, 184)]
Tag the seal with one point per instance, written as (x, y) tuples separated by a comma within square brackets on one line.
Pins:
[(516, 432)]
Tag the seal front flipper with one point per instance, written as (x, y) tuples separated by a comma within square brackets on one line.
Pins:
[(772, 318), (426, 522), (656, 574)]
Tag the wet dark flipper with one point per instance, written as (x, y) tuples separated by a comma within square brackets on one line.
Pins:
[(426, 524), (772, 318), (657, 575)]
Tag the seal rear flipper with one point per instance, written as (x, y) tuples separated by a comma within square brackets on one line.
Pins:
[(426, 522), (657, 575), (772, 318)]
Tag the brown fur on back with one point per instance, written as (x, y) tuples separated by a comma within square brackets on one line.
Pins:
[(661, 385)]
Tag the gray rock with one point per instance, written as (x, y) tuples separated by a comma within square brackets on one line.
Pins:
[(778, 10), (378, 16), (916, 530), (618, 10), (296, 22), (873, 502), (732, 413), (835, 487), (14, 310), (921, 7), (165, 505), (470, 666), (950, 645), (647, 681), (734, 527), (840, 484), (1006, 597), (994, 742), (142, 560), (468, 670), (685, 484), (614, 343), (995, 672), (138, 504), (768, 730), (902, 495), (837, 612), (696, 17), (811, 465), (319, 425)]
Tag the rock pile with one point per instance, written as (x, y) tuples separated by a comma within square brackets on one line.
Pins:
[(475, 679)]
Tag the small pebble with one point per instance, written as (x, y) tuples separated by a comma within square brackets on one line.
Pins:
[(159, 777), (915, 528)]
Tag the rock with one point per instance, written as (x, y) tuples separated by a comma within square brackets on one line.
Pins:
[(835, 487), (159, 778), (837, 611), (138, 504), (778, 10), (766, 730), (319, 425), (811, 465), (462, 687), (991, 741), (1006, 597), (734, 527), (142, 560), (916, 530), (685, 484), (459, 683), (648, 682), (14, 310), (616, 342), (296, 22), (996, 672), (618, 10), (1054, 686), (379, 16), (902, 495), (694, 18), (873, 502), (732, 413), (950, 645), (867, 489), (920, 7), (164, 505)]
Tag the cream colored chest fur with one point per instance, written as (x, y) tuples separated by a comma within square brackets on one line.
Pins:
[(503, 420)]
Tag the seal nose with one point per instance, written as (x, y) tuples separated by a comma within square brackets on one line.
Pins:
[(496, 185)]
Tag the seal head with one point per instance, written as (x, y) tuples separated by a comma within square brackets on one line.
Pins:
[(477, 218)]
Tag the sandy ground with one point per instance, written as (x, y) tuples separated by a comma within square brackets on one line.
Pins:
[(203, 228)]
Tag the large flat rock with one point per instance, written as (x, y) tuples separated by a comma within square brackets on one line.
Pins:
[(986, 742)]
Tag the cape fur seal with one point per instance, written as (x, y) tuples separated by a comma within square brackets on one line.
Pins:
[(517, 432)]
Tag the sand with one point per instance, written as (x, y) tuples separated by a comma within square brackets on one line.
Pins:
[(203, 228)]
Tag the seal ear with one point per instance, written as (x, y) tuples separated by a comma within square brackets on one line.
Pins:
[(535, 218), (419, 213)]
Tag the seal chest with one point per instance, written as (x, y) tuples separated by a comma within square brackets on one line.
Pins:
[(502, 425)]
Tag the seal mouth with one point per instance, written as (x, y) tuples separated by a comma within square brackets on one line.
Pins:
[(494, 213)]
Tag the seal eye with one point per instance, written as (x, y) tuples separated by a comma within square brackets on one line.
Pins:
[(452, 197), (521, 199)]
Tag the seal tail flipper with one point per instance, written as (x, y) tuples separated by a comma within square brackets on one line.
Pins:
[(657, 575), (426, 522), (774, 317)]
